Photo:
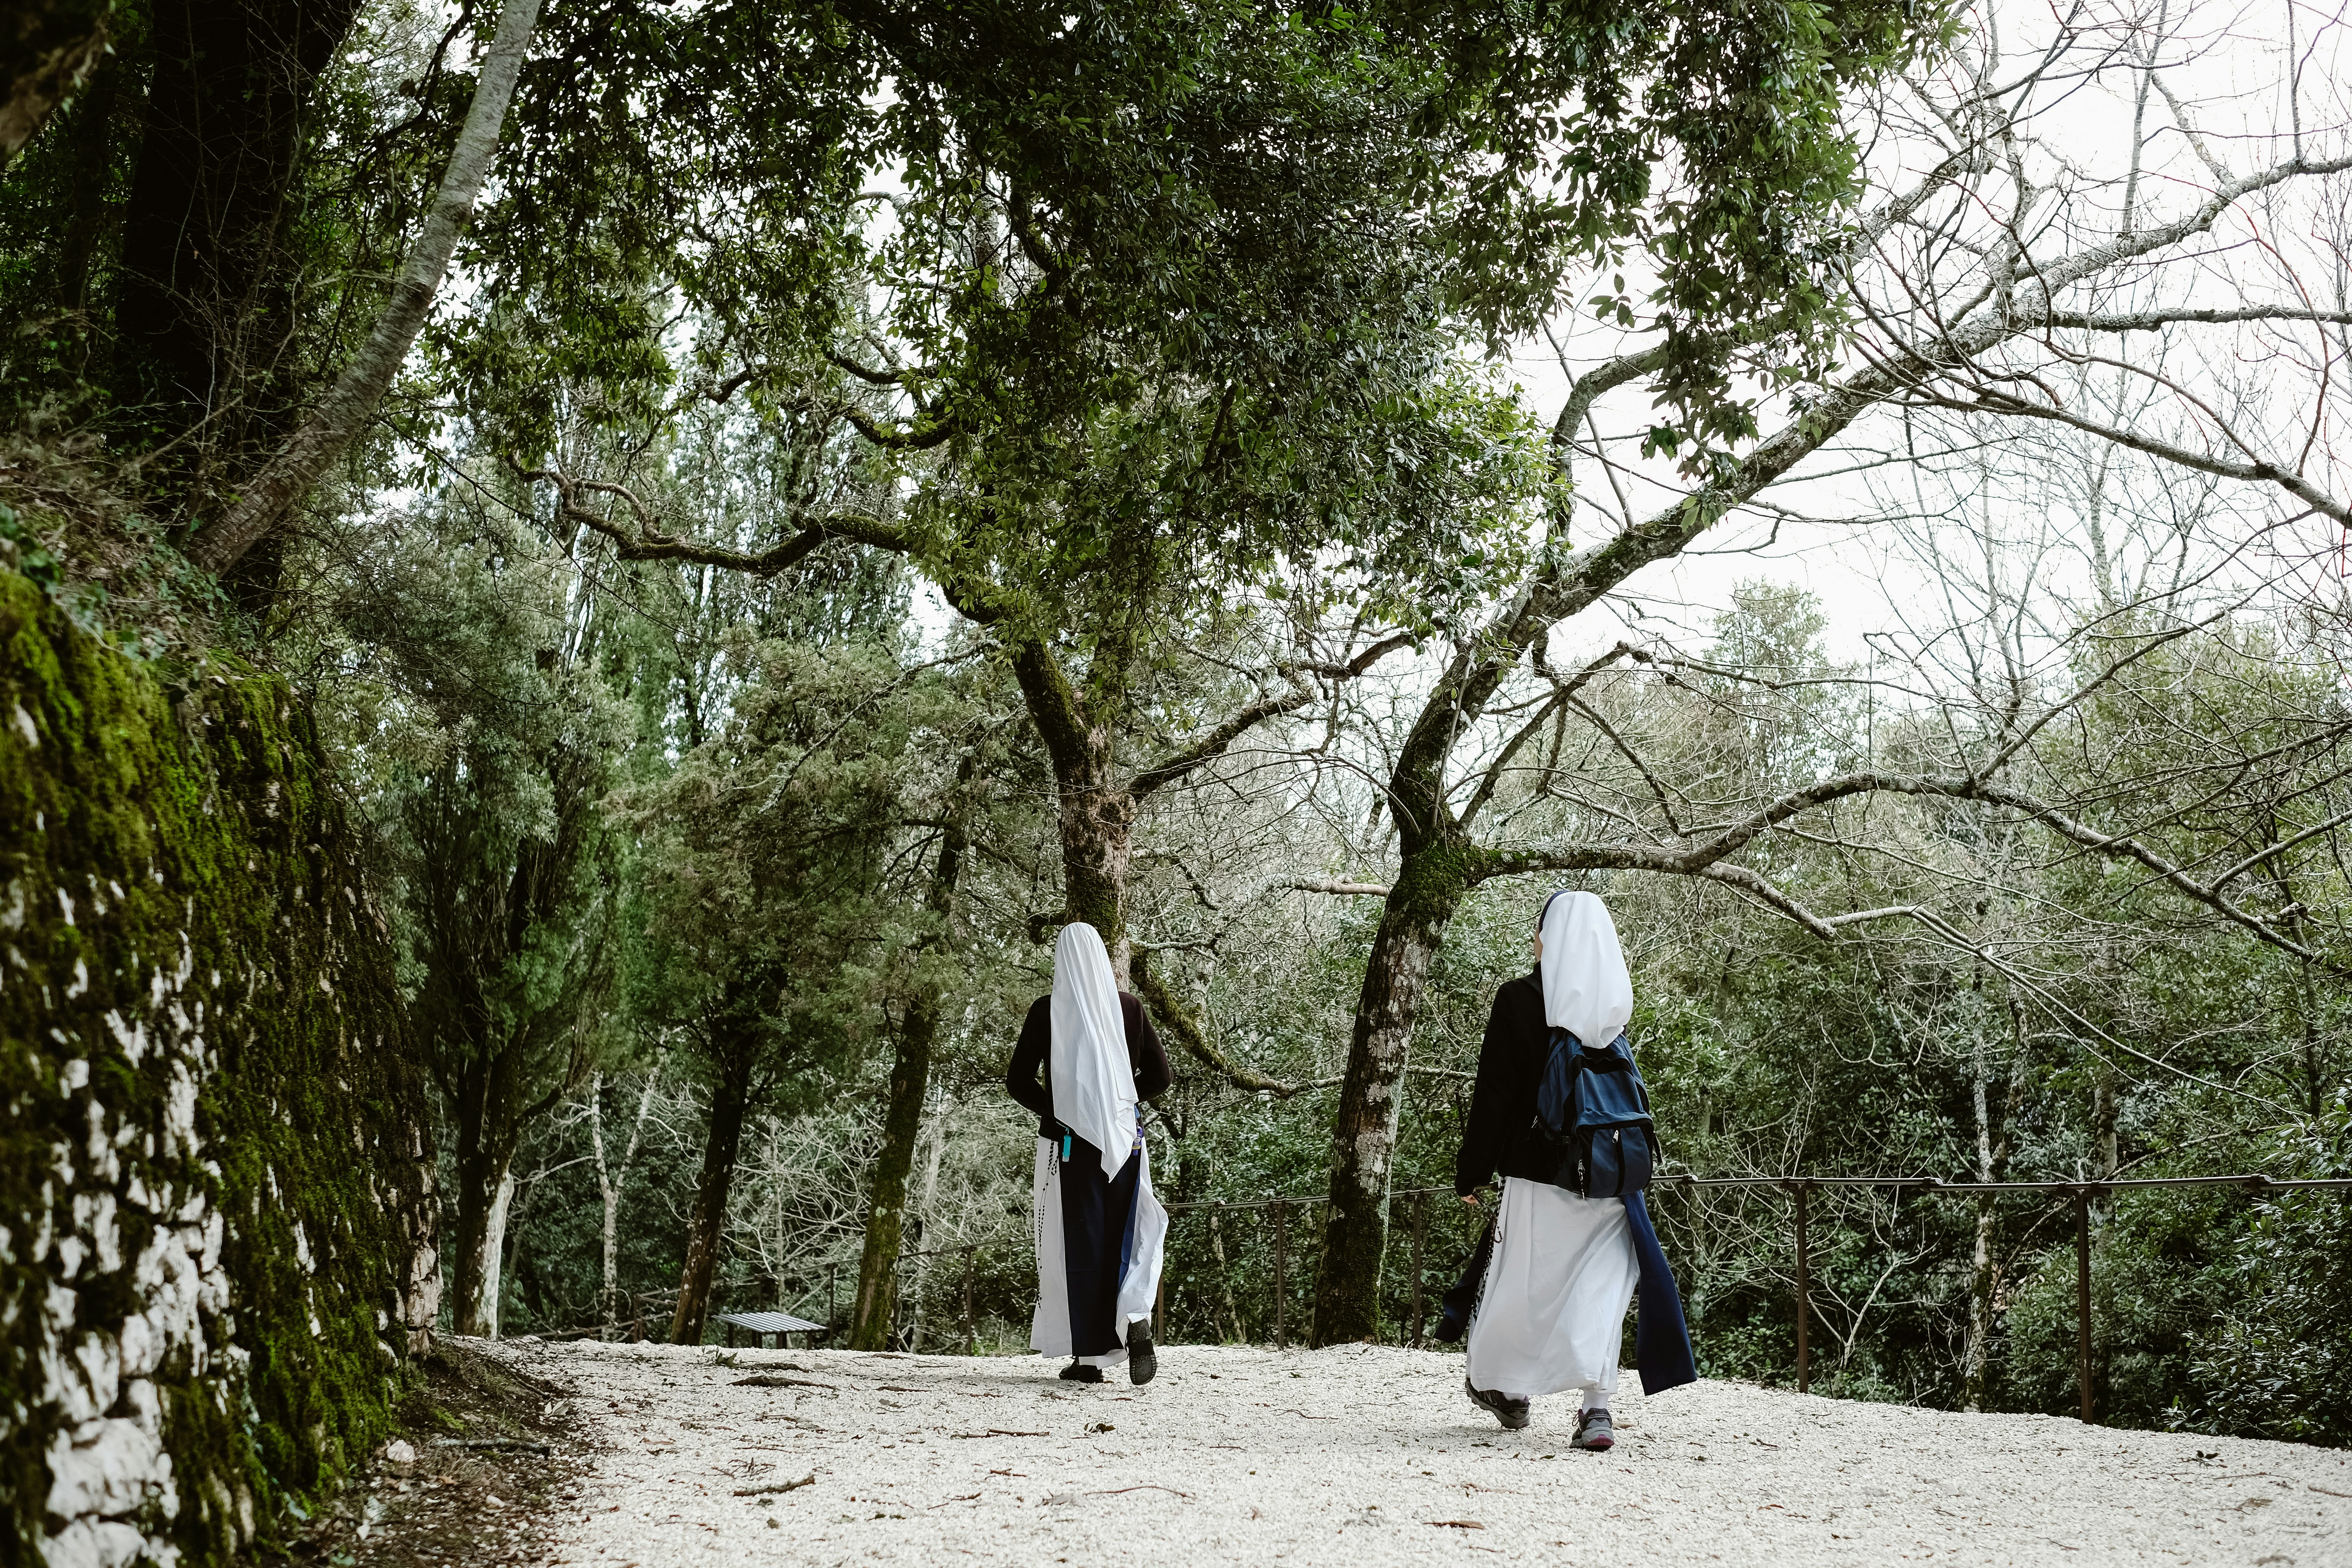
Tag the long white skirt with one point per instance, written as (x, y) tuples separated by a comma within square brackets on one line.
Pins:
[(1049, 1328), (1552, 1314)]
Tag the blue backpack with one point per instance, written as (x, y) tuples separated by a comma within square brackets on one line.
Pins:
[(1594, 1112)]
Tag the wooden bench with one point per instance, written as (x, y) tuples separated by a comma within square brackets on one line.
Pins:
[(783, 1324)]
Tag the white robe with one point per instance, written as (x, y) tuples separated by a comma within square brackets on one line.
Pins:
[(1049, 1328), (1552, 1313)]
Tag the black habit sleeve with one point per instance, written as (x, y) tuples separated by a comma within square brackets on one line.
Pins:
[(1029, 1054), (1144, 1051), (1031, 1083), (1504, 1099)]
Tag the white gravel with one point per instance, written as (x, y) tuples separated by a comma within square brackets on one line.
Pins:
[(1370, 1455)]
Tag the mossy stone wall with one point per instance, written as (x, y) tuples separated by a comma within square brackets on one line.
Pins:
[(215, 1201)]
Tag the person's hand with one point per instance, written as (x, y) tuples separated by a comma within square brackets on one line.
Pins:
[(1470, 1198)]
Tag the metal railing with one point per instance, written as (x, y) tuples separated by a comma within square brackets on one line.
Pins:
[(2080, 1193), (2080, 1196)]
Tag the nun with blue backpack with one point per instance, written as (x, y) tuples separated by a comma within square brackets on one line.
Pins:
[(1560, 1112)]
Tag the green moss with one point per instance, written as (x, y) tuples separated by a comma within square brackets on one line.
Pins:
[(197, 1022)]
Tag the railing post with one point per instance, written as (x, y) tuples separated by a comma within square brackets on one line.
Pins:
[(1160, 1302), (1419, 1224), (1281, 1248), (2082, 1300), (1805, 1297)]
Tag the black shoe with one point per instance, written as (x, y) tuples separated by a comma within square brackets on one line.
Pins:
[(1512, 1413), (1594, 1430), (1078, 1372), (1142, 1360)]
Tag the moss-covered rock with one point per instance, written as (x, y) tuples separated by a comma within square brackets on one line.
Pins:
[(216, 1209)]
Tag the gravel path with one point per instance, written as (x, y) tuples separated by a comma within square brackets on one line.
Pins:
[(1370, 1454)]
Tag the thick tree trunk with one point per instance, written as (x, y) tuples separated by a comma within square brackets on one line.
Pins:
[(1429, 889), (910, 1082), (90, 128), (1435, 870), (730, 1097), (1095, 810), (50, 48), (205, 281), (1098, 824), (270, 496)]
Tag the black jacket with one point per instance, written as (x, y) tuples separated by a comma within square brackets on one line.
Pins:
[(1030, 1081), (1500, 1138)]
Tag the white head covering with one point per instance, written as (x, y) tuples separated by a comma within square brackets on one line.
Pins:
[(1586, 989), (1094, 1084)]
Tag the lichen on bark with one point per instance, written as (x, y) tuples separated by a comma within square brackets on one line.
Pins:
[(216, 1210)]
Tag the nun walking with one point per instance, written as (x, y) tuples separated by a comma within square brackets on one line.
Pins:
[(1099, 1229), (1546, 1294)]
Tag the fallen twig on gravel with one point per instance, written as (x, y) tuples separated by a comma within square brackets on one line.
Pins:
[(1141, 1487), (806, 1481), (502, 1444), (770, 1380), (1456, 1523), (999, 1432)]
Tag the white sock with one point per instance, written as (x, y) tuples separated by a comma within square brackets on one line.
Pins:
[(1596, 1399)]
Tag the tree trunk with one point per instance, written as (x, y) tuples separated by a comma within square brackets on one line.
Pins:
[(910, 1082), (204, 289), (1428, 889), (51, 47), (609, 1181), (730, 1097), (1980, 1265), (270, 496), (488, 1133), (1226, 1283), (1992, 1164), (90, 127), (608, 1192), (1094, 810), (934, 1147), (494, 1249)]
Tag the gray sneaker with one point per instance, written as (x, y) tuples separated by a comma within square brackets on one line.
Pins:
[(1512, 1413), (1594, 1431)]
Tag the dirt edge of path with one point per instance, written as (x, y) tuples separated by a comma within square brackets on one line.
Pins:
[(496, 1450)]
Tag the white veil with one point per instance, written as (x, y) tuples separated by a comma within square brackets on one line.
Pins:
[(1094, 1083), (1586, 989)]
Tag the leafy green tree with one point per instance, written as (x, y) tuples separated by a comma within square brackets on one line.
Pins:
[(773, 920), (484, 690)]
